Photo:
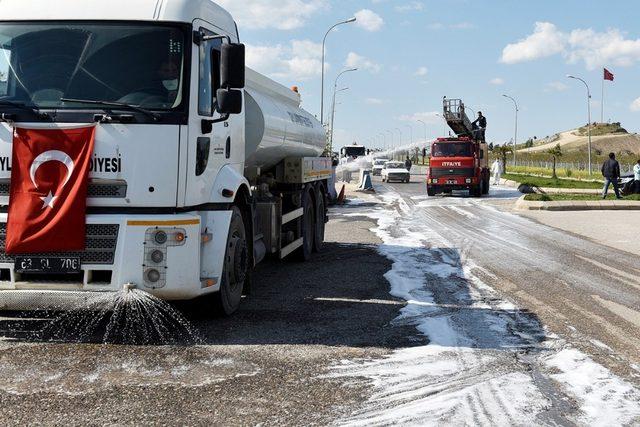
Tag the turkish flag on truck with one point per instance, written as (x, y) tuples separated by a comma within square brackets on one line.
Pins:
[(48, 195), (608, 75)]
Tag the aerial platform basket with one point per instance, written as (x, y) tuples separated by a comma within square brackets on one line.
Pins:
[(456, 117)]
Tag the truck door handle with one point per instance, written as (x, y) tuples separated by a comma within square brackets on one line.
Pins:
[(227, 151)]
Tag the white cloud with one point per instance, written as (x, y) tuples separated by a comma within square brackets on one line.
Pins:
[(595, 49), (369, 20), (374, 101), (545, 41), (413, 6), (421, 72), (497, 81), (600, 49), (556, 87), (635, 105), (360, 62), (299, 61), (430, 117), (278, 14)]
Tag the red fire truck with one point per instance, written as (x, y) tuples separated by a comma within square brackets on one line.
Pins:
[(460, 162)]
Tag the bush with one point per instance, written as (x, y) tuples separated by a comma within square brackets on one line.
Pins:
[(568, 173)]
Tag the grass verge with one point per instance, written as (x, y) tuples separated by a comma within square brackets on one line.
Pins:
[(574, 197), (551, 183)]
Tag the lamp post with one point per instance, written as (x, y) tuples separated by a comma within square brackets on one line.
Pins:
[(333, 104), (333, 114), (391, 141), (515, 138), (384, 140), (425, 129), (444, 126), (324, 40), (410, 133), (589, 112)]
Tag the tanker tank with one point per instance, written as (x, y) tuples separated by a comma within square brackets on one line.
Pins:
[(276, 126)]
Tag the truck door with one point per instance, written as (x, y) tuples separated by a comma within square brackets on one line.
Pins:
[(207, 151)]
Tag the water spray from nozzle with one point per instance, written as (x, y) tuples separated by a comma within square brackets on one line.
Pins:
[(128, 287)]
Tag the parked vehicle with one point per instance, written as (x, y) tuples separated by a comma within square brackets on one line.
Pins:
[(200, 168), (378, 165), (461, 162), (395, 171)]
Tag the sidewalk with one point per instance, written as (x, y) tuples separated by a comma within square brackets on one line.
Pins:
[(611, 228)]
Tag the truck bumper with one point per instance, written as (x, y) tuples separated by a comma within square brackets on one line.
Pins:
[(186, 265)]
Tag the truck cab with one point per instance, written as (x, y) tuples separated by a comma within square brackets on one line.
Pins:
[(174, 167)]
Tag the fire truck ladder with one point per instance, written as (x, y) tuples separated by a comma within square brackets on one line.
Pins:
[(456, 117)]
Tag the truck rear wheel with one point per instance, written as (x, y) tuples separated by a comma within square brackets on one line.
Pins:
[(320, 218), (236, 269), (308, 228)]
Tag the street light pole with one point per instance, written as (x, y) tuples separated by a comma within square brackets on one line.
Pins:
[(515, 138), (391, 141), (425, 129), (324, 41), (333, 106), (589, 112)]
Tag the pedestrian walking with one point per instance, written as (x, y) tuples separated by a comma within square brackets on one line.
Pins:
[(611, 172), (496, 170), (636, 178), (408, 164)]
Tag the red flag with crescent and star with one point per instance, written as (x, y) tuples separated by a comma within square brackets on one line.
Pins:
[(48, 195)]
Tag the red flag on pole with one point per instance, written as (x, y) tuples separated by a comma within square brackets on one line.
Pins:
[(608, 75), (48, 194)]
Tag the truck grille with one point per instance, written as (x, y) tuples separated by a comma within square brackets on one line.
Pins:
[(437, 173), (101, 245), (96, 189)]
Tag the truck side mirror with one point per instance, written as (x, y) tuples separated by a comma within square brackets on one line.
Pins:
[(232, 66), (229, 101)]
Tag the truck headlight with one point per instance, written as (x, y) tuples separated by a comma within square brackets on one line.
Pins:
[(153, 275), (160, 237), (157, 256), (468, 180)]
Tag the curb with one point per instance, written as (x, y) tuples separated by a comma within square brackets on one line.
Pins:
[(577, 205)]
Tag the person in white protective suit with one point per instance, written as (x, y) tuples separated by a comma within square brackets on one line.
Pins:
[(496, 170)]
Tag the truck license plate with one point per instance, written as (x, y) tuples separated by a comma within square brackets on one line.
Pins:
[(451, 181), (59, 265)]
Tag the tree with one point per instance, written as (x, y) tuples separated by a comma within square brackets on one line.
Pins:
[(502, 151), (555, 152)]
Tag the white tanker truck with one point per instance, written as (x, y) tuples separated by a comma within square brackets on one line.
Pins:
[(200, 169)]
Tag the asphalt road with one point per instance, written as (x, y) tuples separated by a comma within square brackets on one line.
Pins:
[(265, 365), (581, 289)]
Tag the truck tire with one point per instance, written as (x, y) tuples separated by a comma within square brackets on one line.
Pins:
[(236, 269), (320, 219), (431, 192), (485, 186), (476, 191), (308, 228)]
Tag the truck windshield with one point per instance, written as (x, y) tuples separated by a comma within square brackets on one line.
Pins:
[(354, 151), (452, 149), (137, 64)]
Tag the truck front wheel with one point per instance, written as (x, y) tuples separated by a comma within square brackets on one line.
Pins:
[(236, 271)]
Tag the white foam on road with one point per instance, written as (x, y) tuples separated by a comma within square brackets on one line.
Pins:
[(477, 367)]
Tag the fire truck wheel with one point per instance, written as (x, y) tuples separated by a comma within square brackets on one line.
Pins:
[(431, 192), (236, 268), (318, 240), (308, 228)]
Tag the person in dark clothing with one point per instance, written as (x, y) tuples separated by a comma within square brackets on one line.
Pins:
[(480, 126), (611, 173), (408, 164)]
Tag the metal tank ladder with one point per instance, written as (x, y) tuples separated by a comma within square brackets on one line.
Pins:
[(456, 117)]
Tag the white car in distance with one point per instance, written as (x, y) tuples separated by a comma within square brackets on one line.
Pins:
[(395, 171), (378, 165)]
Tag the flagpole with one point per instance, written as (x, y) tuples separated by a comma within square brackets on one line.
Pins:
[(602, 105)]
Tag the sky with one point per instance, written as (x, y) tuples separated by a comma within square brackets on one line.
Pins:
[(411, 53)]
